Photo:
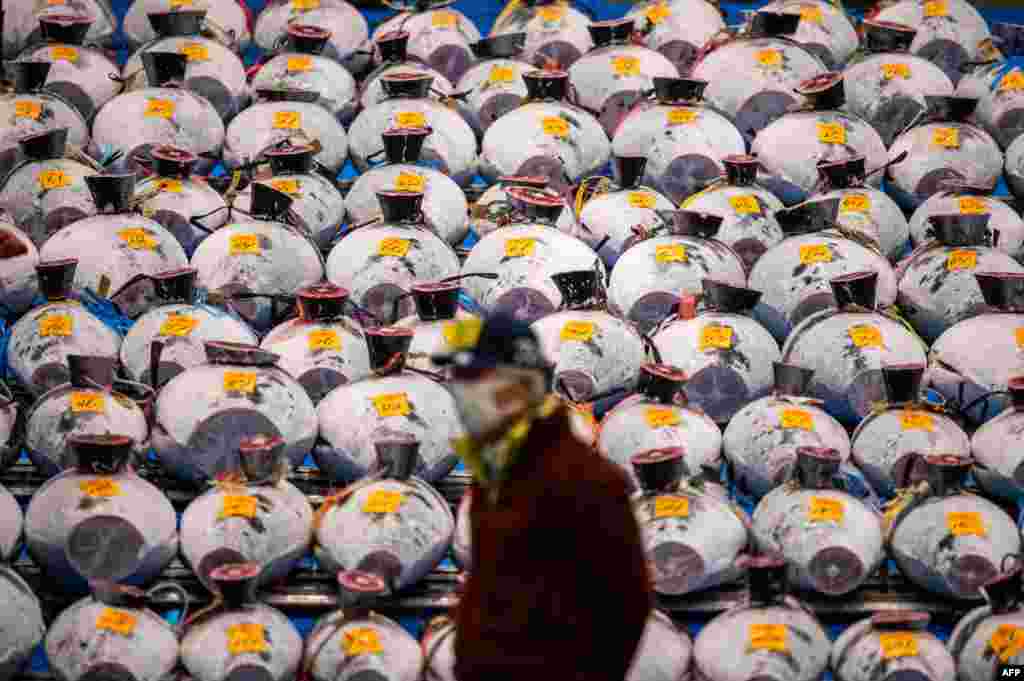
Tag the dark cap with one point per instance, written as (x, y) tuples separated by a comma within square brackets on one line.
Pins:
[(69, 29), (741, 169), (947, 472), (401, 207), (766, 577), (436, 300), (178, 22), (843, 174), (321, 302), (725, 297), (903, 382), (816, 467), (289, 158), (411, 85), (1015, 386), (771, 24), (56, 278), (661, 383), (1003, 291), (388, 347), (44, 145), (629, 170), (91, 371), (505, 46), (808, 217), (668, 90), (176, 286), (286, 94), (695, 223), (102, 454), (171, 161), (164, 67), (538, 204), (399, 455), (900, 620), (307, 39), (857, 288), (546, 85), (1003, 591), (580, 289), (404, 145), (260, 455), (611, 32), (268, 203), (112, 193), (235, 582), (28, 76), (961, 230), (887, 36), (955, 109), (393, 46), (659, 469), (825, 91), (792, 380), (243, 354)]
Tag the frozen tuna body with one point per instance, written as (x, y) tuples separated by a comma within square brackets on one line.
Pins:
[(555, 32), (112, 632), (21, 623), (494, 85), (824, 29), (555, 138), (941, 146), (452, 146), (391, 55), (726, 355), (683, 139), (242, 638), (985, 637), (1015, 167), (226, 21), (947, 540), (347, 25), (996, 448), (462, 539), (438, 35), (203, 413), (251, 515), (85, 524), (47, 191), (937, 286), (87, 405), (886, 442), (439, 326), (18, 260), (396, 527), (677, 28), (894, 644), (21, 23), (1006, 225), (11, 526), (445, 209), (496, 208), (999, 87), (42, 339), (657, 418), (847, 347)]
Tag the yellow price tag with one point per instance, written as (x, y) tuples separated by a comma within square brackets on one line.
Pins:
[(462, 334), (745, 205), (240, 381), (768, 637), (965, 523), (972, 205), (681, 116), (893, 71), (501, 74), (671, 507), (948, 138), (1007, 642), (825, 509), (361, 641), (866, 336), (287, 120), (581, 332), (159, 108), (383, 501), (815, 253), (286, 185), (181, 3), (855, 203), (444, 19), (410, 119), (324, 339), (178, 325), (55, 325), (300, 63), (641, 200), (119, 622), (64, 53), (92, 402), (670, 253), (195, 51), (831, 133), (1018, 334), (812, 13), (100, 488), (169, 185), (912, 419), (661, 417), (898, 644), (393, 247), (555, 126), (961, 260), (26, 108), (1014, 80), (137, 239), (796, 419), (550, 13), (410, 182), (238, 506), (519, 248), (626, 66), (715, 337), (391, 404), (244, 244), (303, 5), (769, 58), (936, 8), (658, 13), (246, 638), (54, 179)]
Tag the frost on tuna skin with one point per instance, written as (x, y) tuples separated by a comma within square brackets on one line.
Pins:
[(54, 114), (594, 77), (400, 658), (21, 623), (18, 259), (291, 342), (74, 644), (856, 656), (329, 79), (253, 131), (970, 642), (998, 447), (317, 203), (11, 524), (613, 216), (418, 534), (227, 15), (205, 653), (89, 72), (1002, 219), (31, 206), (883, 222), (273, 22), (373, 91), (175, 209)]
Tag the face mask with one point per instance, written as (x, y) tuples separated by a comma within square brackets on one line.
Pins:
[(488, 407)]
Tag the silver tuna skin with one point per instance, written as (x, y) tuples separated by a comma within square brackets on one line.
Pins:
[(445, 209), (439, 37), (761, 440), (831, 556), (320, 369), (84, 80), (21, 623), (18, 259), (683, 144), (1003, 219), (998, 452), (884, 439), (9, 413), (720, 381), (316, 201), (180, 352), (350, 424), (205, 648), (177, 202), (400, 657), (374, 280), (452, 143), (931, 556), (636, 425), (266, 124), (214, 71), (39, 362), (616, 215), (557, 33), (493, 88), (857, 655), (677, 29), (794, 278), (124, 125), (112, 250), (717, 655), (1015, 166), (749, 234), (429, 339), (868, 212), (372, 91), (582, 149), (275, 538), (21, 22), (272, 23), (42, 212), (228, 15), (11, 526), (999, 100), (462, 539), (314, 73), (824, 30), (847, 376), (53, 419), (650, 277), (934, 298), (971, 647), (54, 113), (604, 78), (106, 536), (75, 646), (414, 538), (496, 192)]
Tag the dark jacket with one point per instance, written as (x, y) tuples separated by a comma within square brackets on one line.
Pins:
[(559, 587)]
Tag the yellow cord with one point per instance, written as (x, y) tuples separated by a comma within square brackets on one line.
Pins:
[(601, 186)]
